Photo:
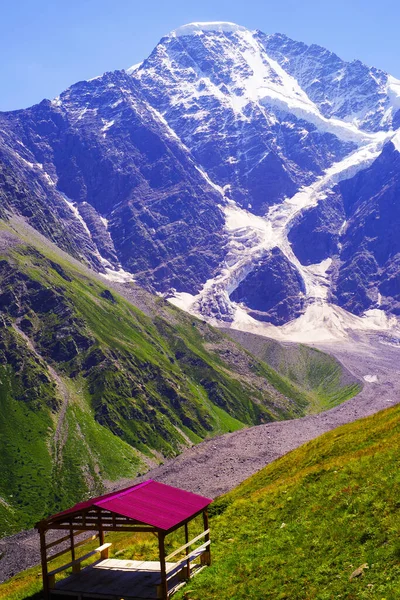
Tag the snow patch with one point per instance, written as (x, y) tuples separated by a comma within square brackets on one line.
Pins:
[(251, 237), (320, 322), (216, 187), (199, 28), (94, 78), (371, 378), (133, 68), (396, 141), (107, 124), (393, 91), (72, 206), (119, 276), (182, 300)]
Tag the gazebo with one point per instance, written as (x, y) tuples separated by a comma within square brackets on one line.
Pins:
[(147, 507)]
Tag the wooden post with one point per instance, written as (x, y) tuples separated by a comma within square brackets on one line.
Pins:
[(161, 550), (101, 532), (187, 551), (207, 536), (43, 554), (71, 537)]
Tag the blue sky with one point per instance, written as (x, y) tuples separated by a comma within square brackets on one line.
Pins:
[(46, 45)]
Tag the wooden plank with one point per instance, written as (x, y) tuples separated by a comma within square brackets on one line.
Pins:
[(63, 539), (77, 561), (130, 529), (194, 554), (104, 578), (57, 554), (193, 541), (171, 573), (164, 584), (86, 541), (187, 574)]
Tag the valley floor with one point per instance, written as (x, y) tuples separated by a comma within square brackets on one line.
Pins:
[(218, 465)]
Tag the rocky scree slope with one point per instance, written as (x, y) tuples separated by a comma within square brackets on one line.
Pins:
[(203, 171), (94, 390)]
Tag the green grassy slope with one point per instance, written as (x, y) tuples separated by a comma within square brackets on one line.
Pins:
[(300, 527), (92, 388), (320, 377)]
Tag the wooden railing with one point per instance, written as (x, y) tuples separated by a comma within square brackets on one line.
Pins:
[(182, 548), (200, 552), (76, 564), (183, 564)]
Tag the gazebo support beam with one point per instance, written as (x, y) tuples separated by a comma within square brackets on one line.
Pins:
[(187, 550), (207, 536), (43, 556), (72, 541), (163, 571)]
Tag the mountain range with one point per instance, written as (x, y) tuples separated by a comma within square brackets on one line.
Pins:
[(251, 179), (247, 178)]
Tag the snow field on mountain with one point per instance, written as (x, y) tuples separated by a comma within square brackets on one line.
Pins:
[(201, 27), (271, 125), (320, 322), (396, 141), (251, 237), (257, 79)]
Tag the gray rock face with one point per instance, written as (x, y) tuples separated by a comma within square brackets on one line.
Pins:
[(315, 234), (347, 90), (358, 224), (370, 254), (113, 157), (256, 148), (26, 190), (273, 290)]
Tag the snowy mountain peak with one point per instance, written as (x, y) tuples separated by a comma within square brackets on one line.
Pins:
[(239, 67), (234, 69), (246, 174), (214, 26)]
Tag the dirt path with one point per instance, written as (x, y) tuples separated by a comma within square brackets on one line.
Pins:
[(216, 466)]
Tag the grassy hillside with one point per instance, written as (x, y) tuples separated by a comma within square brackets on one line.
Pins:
[(320, 377), (300, 527), (94, 390)]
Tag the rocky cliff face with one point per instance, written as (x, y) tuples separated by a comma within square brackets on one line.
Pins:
[(241, 115), (112, 165), (239, 172), (351, 91)]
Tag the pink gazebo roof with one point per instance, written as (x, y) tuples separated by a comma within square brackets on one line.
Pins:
[(151, 503)]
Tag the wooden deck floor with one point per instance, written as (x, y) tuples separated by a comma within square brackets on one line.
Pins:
[(115, 580)]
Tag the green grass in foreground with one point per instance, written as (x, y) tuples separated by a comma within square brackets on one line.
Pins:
[(297, 529), (301, 526)]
